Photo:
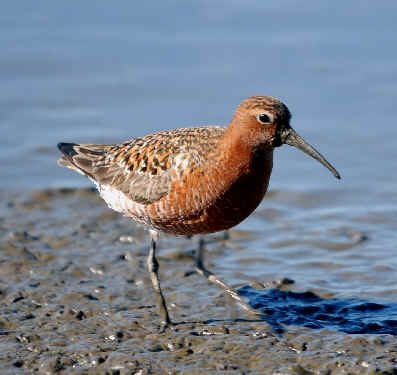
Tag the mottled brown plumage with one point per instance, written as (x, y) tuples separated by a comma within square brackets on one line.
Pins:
[(191, 180), (143, 168)]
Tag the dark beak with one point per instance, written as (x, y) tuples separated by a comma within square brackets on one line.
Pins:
[(290, 137)]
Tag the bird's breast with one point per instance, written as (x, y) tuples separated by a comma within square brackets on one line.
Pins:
[(211, 199)]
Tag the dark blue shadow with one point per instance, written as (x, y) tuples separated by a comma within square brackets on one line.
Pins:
[(311, 311)]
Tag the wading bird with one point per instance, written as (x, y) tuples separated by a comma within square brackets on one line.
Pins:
[(191, 180)]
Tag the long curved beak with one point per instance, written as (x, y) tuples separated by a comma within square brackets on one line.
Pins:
[(290, 137)]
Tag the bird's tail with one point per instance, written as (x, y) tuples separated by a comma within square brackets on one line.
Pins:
[(82, 158)]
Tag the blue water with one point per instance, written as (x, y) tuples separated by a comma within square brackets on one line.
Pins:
[(106, 72), (81, 71), (311, 311)]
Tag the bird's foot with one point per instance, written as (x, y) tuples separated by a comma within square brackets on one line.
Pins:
[(165, 326)]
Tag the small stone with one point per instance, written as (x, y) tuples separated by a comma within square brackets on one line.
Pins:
[(18, 363), (209, 331)]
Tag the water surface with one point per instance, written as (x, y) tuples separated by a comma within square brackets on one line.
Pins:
[(88, 72)]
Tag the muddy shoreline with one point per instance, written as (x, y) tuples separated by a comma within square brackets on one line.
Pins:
[(75, 297)]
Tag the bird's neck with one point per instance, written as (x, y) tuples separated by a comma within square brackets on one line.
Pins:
[(242, 152)]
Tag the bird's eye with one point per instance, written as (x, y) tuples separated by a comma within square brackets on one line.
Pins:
[(264, 118)]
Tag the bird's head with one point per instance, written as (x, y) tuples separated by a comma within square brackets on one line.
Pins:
[(263, 121)]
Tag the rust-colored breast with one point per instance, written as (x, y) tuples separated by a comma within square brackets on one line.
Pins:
[(212, 199)]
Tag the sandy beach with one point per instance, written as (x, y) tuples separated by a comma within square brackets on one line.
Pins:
[(76, 298)]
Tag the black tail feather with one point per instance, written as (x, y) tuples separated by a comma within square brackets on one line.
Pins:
[(83, 158), (67, 148)]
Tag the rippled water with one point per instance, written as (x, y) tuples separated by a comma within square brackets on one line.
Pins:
[(311, 311), (102, 73)]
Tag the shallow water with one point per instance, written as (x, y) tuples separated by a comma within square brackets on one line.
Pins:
[(284, 309), (98, 73)]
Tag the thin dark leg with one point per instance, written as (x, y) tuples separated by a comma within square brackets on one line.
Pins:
[(153, 267), (200, 268)]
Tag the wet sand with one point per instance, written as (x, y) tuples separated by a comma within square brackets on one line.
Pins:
[(75, 297)]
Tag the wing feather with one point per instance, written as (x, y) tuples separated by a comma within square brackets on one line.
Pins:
[(142, 168)]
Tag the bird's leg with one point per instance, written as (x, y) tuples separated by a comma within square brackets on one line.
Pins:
[(202, 270), (153, 267)]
